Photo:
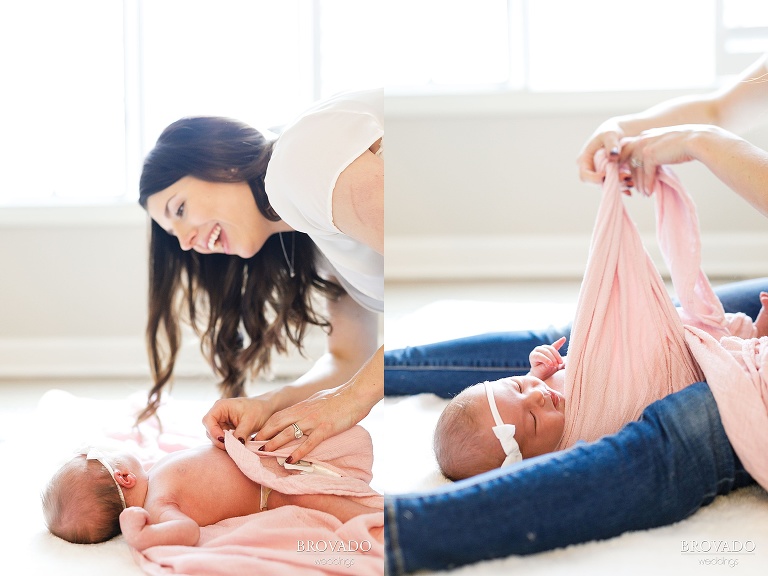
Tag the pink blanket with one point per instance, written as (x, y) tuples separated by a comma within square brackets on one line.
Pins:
[(630, 346), (290, 540)]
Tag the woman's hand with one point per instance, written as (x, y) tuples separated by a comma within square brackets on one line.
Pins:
[(607, 136), (644, 153), (243, 416), (546, 360), (326, 413)]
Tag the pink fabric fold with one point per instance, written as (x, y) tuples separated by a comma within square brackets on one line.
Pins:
[(737, 373), (630, 347), (290, 540), (349, 454), (627, 346)]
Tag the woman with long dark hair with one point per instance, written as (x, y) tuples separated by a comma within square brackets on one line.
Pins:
[(246, 233)]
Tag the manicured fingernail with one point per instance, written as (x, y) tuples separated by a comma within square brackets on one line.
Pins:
[(242, 440), (289, 460), (261, 448), (220, 439), (614, 151)]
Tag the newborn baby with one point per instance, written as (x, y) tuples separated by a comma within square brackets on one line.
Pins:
[(493, 424), (95, 496)]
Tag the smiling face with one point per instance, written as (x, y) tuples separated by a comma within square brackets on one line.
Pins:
[(536, 410), (212, 217)]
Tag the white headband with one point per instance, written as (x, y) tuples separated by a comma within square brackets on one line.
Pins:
[(94, 454), (504, 432)]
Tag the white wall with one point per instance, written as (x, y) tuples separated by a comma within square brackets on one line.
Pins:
[(73, 297), (488, 187)]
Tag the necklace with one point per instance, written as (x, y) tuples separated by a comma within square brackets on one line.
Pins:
[(291, 269)]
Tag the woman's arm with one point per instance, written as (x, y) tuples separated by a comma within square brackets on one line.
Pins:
[(734, 107), (740, 165), (348, 376), (358, 201)]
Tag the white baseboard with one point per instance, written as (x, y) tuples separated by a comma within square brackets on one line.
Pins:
[(416, 258), (71, 358)]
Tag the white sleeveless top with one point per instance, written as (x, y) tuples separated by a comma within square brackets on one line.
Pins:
[(306, 162)]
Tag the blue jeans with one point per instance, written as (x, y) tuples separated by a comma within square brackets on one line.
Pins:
[(655, 471), (446, 368)]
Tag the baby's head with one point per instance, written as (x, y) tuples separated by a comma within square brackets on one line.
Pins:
[(495, 424), (83, 501)]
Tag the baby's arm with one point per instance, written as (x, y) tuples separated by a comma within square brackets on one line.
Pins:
[(546, 360), (173, 527)]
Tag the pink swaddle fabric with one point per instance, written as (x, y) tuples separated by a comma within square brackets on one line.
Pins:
[(627, 346), (290, 540), (630, 347)]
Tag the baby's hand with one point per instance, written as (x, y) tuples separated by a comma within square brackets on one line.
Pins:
[(132, 522), (546, 360), (761, 322)]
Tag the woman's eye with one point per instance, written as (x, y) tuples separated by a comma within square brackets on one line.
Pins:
[(180, 210)]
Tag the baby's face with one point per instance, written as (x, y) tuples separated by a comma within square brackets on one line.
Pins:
[(536, 410)]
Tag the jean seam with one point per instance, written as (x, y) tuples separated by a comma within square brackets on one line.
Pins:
[(397, 559)]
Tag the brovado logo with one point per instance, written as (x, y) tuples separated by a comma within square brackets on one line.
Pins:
[(717, 546), (333, 546)]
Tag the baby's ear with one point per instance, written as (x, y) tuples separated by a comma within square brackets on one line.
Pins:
[(125, 478)]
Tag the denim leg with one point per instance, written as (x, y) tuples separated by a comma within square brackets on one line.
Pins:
[(742, 296), (446, 368), (653, 472)]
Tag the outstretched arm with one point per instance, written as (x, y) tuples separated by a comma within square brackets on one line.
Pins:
[(734, 107), (172, 528), (339, 390)]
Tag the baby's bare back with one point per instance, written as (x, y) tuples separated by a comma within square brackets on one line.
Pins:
[(204, 483)]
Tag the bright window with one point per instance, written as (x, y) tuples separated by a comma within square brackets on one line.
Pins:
[(444, 46), (90, 84), (62, 116)]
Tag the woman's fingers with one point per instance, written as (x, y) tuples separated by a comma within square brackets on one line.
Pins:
[(241, 415), (310, 442)]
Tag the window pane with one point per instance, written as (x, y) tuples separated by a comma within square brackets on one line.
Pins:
[(446, 42), (595, 45), (351, 45), (62, 113), (246, 59), (745, 13)]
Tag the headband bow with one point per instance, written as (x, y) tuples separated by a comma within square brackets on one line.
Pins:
[(504, 432)]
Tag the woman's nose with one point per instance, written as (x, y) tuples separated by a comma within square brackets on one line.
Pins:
[(187, 238)]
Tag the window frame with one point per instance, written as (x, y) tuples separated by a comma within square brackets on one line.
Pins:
[(488, 100)]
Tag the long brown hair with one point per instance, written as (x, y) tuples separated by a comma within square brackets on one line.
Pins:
[(242, 309)]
